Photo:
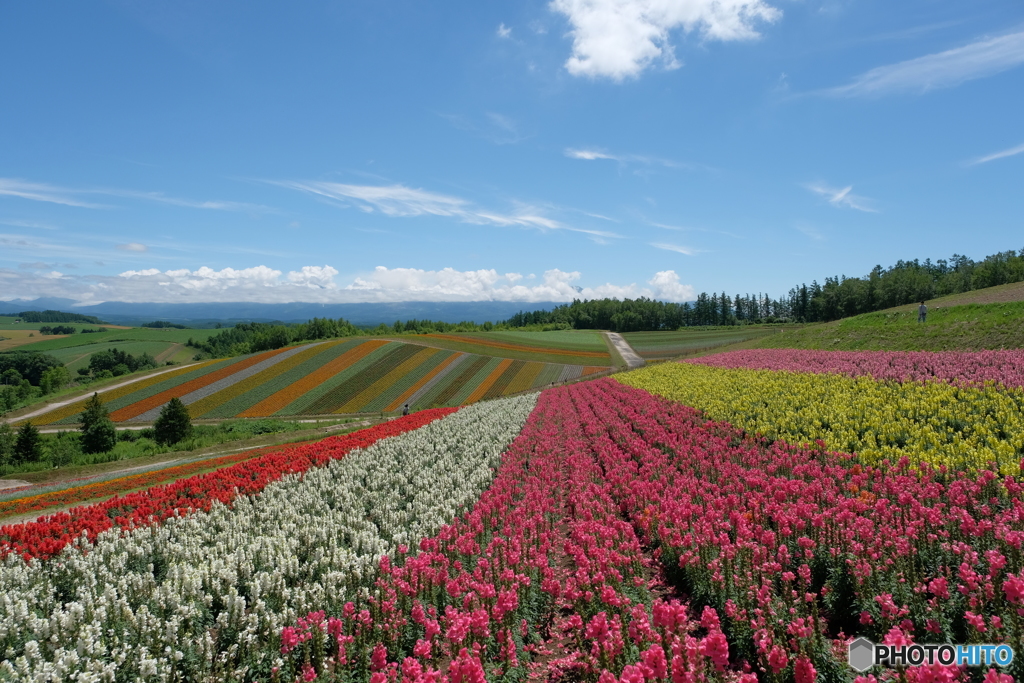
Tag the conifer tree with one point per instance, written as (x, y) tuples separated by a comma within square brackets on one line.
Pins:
[(174, 423), (98, 432), (29, 445)]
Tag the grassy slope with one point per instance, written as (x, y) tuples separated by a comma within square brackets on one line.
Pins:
[(658, 345), (970, 327)]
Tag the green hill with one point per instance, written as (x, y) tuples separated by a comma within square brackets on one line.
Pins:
[(968, 327)]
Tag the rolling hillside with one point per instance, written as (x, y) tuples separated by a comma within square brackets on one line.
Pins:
[(340, 376)]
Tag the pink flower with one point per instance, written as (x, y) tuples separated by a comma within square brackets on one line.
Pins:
[(778, 659), (422, 649), (631, 674), (379, 658), (1013, 588), (716, 648), (466, 669), (803, 670), (654, 659), (308, 673)]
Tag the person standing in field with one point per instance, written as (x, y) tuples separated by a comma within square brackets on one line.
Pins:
[(405, 409), (922, 312)]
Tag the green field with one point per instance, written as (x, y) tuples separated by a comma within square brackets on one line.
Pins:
[(972, 327), (581, 340), (576, 347), (662, 345)]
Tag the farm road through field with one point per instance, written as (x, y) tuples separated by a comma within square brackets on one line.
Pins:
[(58, 404), (632, 358)]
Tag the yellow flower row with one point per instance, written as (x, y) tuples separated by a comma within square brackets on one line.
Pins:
[(933, 422)]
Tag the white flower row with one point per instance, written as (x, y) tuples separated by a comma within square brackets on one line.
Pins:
[(204, 596)]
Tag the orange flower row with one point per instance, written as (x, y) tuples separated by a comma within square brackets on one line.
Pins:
[(114, 394), (157, 400), (282, 398), (422, 381)]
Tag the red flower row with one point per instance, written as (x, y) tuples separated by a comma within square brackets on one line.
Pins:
[(49, 535)]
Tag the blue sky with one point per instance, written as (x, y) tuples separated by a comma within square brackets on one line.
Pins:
[(396, 150)]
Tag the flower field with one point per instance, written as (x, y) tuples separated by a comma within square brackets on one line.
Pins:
[(205, 594), (553, 574), (956, 367), (609, 531), (349, 376), (940, 423)]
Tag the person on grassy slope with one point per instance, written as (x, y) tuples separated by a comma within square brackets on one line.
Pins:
[(922, 312)]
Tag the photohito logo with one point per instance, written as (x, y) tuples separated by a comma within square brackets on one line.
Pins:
[(863, 654)]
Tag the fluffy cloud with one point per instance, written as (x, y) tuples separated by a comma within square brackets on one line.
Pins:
[(620, 38), (317, 284)]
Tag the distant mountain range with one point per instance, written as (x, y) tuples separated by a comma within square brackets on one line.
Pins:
[(198, 315)]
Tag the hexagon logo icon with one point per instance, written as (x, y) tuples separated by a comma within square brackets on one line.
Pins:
[(861, 655)]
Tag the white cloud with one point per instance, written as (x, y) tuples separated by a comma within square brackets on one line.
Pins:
[(674, 247), (448, 284), (666, 284), (402, 201), (504, 31), (1013, 151), (314, 277), (841, 198), (940, 70), (618, 39), (317, 284), (590, 154), (133, 246), (43, 192)]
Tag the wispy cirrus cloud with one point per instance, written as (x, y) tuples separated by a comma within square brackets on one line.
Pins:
[(402, 201), (679, 249), (619, 39), (979, 59), (133, 246), (841, 197), (1012, 151), (42, 192), (45, 192), (595, 154)]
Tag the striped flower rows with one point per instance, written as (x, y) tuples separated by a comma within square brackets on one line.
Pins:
[(970, 368), (351, 376), (958, 427), (204, 596)]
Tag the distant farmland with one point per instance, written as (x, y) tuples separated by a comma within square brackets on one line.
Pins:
[(341, 376)]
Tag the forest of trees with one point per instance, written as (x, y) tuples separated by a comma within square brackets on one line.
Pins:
[(255, 337), (903, 283), (54, 317), (840, 297)]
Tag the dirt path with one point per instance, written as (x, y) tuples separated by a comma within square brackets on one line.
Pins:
[(631, 357), (170, 351), (78, 397)]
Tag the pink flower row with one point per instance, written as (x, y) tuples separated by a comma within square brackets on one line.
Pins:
[(786, 554), (961, 367)]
